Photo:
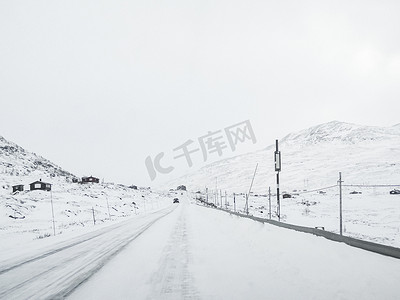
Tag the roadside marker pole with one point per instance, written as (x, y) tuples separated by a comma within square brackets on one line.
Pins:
[(216, 190), (269, 201), (144, 205), (94, 219), (248, 195), (52, 212), (234, 202), (340, 204), (108, 207), (246, 206)]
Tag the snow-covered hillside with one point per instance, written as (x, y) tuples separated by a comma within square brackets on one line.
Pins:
[(368, 157), (311, 158), (27, 215), (16, 162)]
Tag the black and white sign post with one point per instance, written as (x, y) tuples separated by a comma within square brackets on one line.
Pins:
[(278, 169)]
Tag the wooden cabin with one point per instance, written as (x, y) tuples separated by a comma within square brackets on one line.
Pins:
[(40, 185), (90, 179), (18, 188)]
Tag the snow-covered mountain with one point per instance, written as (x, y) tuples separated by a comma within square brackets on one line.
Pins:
[(16, 163), (339, 132), (311, 158)]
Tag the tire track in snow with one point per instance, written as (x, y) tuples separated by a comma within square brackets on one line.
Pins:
[(10, 265), (173, 279), (57, 273)]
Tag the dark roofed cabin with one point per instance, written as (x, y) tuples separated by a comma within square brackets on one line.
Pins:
[(90, 179), (40, 185), (18, 188)]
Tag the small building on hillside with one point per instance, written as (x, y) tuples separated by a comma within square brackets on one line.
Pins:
[(181, 188), (18, 188), (40, 185), (90, 179)]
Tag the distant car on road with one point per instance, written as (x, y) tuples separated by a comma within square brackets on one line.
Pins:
[(355, 192), (176, 200), (284, 196), (395, 192)]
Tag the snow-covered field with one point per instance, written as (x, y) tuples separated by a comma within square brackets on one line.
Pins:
[(373, 215), (74, 205)]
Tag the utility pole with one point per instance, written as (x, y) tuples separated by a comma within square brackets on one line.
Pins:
[(340, 204), (52, 212), (278, 169), (269, 201)]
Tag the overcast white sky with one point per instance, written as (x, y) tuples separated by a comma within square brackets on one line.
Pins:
[(97, 86)]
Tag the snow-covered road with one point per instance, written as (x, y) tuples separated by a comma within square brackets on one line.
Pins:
[(53, 272), (200, 253), (191, 252)]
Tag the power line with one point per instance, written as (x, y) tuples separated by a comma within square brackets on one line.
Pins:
[(372, 185), (305, 192), (316, 190), (348, 185)]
